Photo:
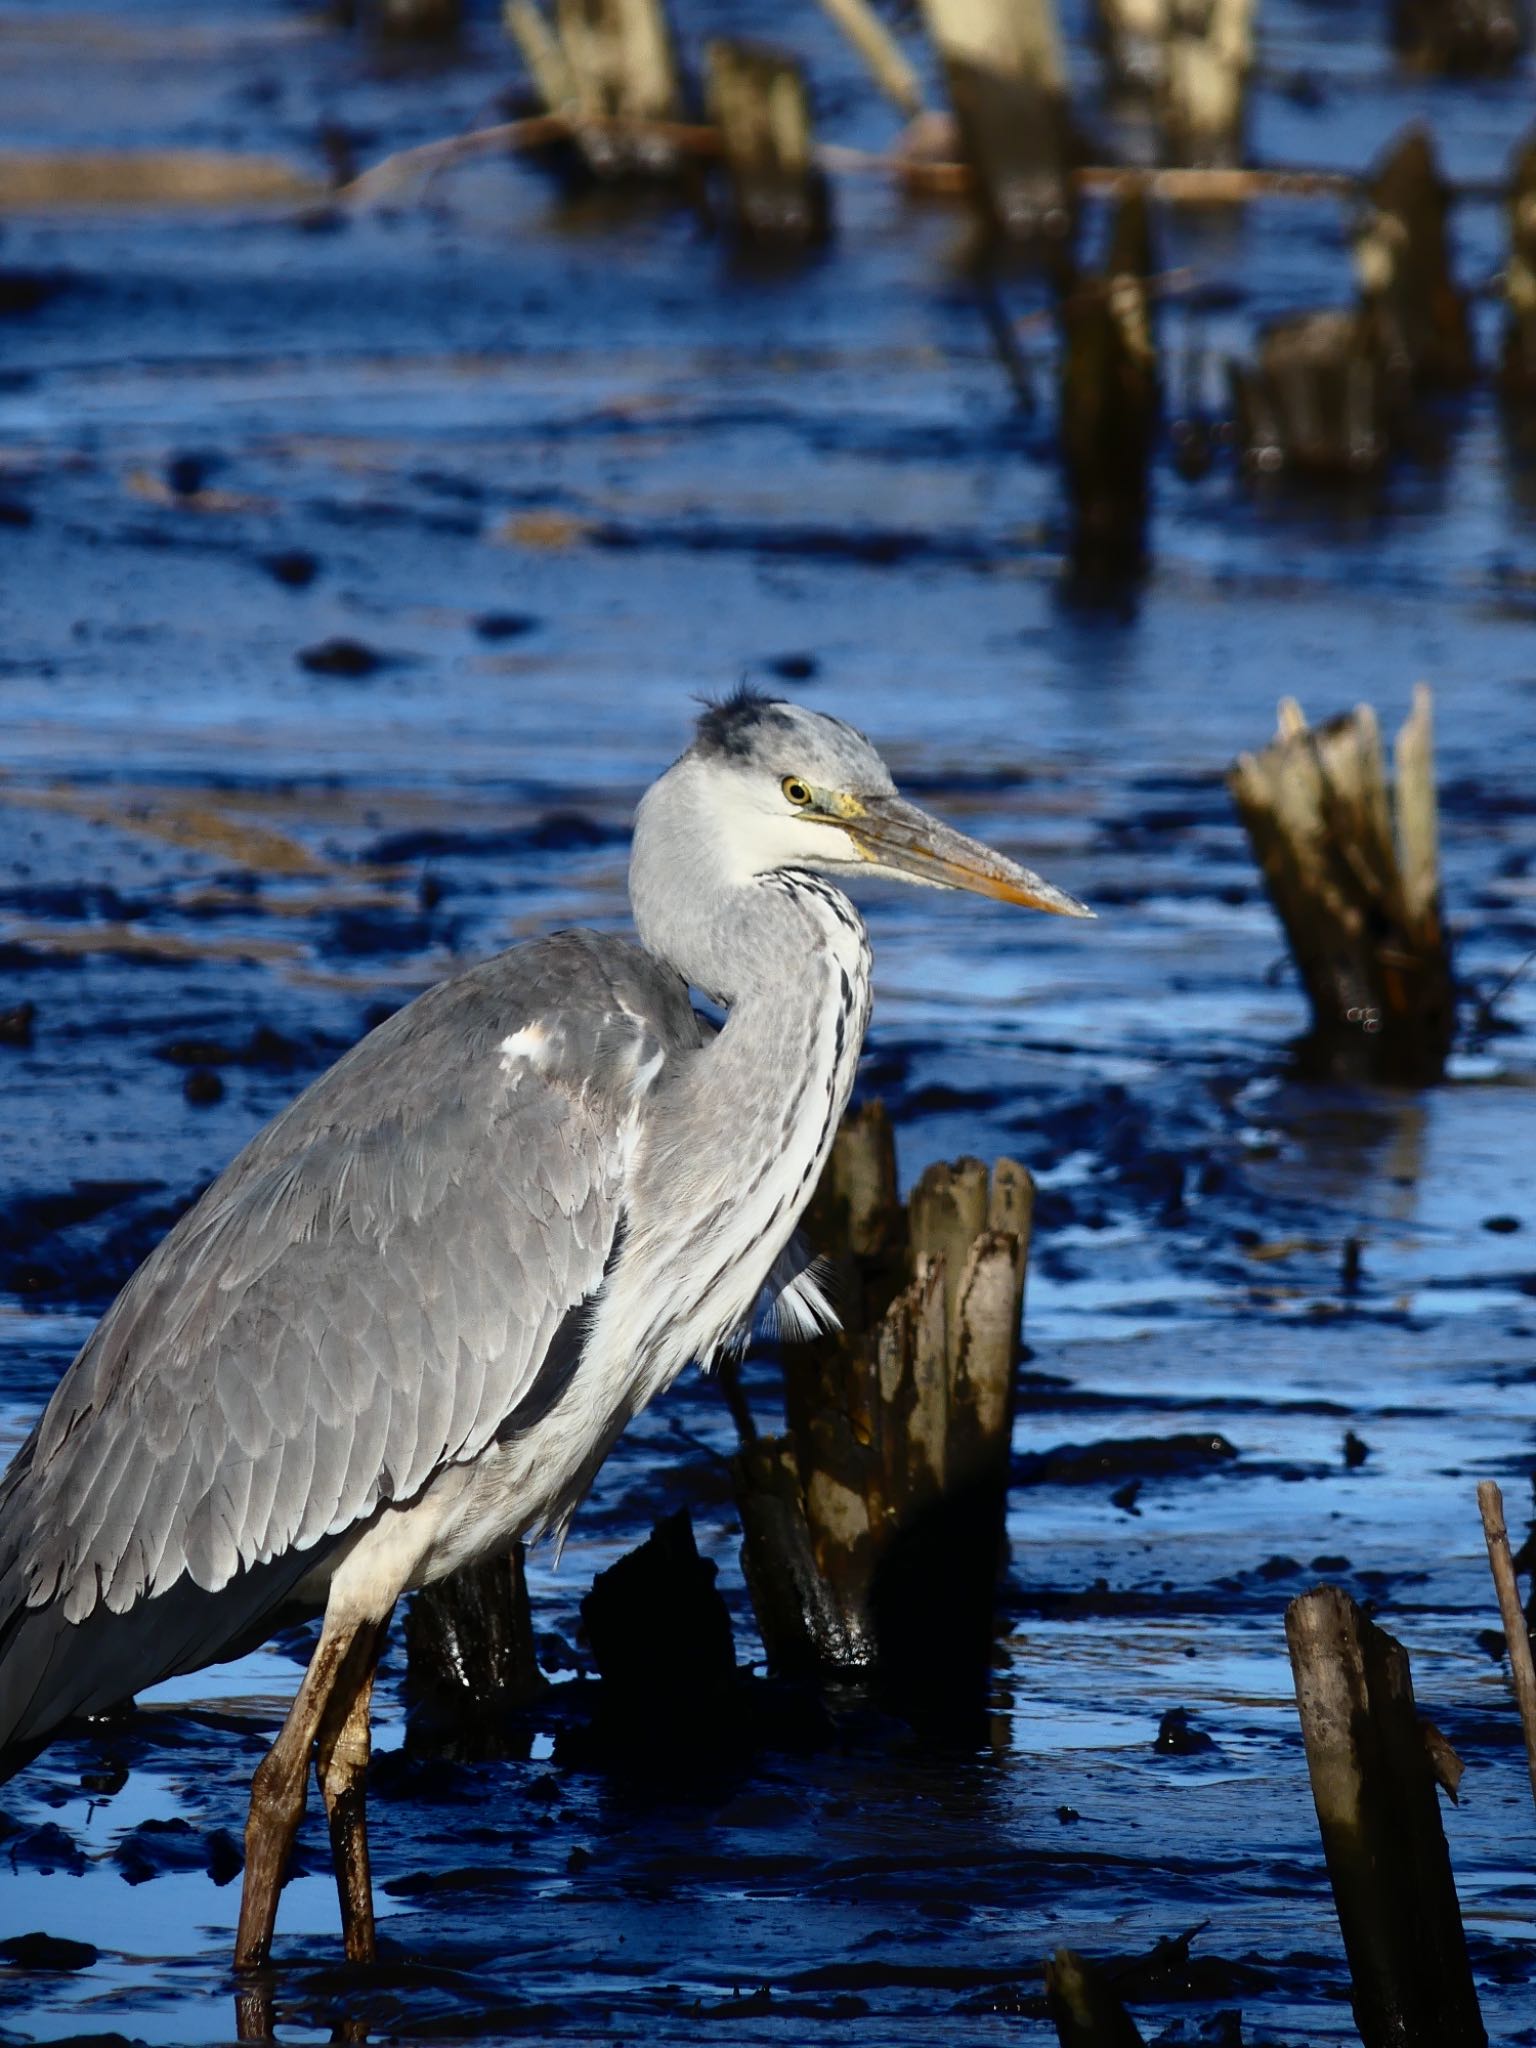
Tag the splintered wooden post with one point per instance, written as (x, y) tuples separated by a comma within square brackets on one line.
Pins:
[(1359, 901), (873, 1530), (1373, 1783), (757, 99), (1109, 400), (608, 67), (1084, 2009), (1517, 367), (469, 1650), (1316, 402), (660, 1635), (1517, 1637), (1205, 79), (1418, 317), (1468, 37), (1007, 84)]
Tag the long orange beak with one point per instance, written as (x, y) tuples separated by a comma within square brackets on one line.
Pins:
[(904, 840)]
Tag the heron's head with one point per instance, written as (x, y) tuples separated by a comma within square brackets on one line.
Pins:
[(769, 786)]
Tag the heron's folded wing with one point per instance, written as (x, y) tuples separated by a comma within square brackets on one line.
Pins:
[(366, 1295)]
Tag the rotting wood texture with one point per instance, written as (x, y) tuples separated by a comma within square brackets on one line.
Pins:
[(1356, 887), (608, 67), (874, 1528), (470, 1656), (1007, 84), (1373, 1783), (1109, 403), (757, 98)]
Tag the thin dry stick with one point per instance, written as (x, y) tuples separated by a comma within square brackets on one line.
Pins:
[(1491, 1503), (1180, 186), (880, 50)]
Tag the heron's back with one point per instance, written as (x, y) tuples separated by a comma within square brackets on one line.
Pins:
[(365, 1296)]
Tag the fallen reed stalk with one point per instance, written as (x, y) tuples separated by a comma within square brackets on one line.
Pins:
[(1517, 1636)]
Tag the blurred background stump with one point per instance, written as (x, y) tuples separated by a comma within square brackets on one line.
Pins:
[(1354, 878), (1373, 1771), (1203, 96), (874, 1528), (1314, 404), (1418, 316), (609, 67), (1109, 404), (1006, 79), (1517, 367), (469, 1656), (1448, 37), (757, 98)]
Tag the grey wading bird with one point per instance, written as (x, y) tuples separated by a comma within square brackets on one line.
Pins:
[(405, 1326)]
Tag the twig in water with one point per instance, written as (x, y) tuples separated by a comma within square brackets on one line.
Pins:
[(1491, 1504)]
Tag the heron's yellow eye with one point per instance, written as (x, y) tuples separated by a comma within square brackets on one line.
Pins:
[(797, 791)]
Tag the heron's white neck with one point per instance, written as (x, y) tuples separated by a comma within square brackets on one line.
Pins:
[(737, 1141)]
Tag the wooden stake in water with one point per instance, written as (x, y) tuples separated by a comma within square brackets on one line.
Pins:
[(1374, 1787), (1356, 888), (757, 99), (1007, 84), (1516, 1634)]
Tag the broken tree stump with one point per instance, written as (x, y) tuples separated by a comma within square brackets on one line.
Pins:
[(1517, 1638), (1315, 403), (1374, 1786), (469, 1654), (1204, 89), (1517, 366), (874, 1528), (1459, 37), (609, 68), (1417, 315), (1354, 879), (1083, 2007), (757, 98), (1109, 404), (1007, 85), (660, 1635)]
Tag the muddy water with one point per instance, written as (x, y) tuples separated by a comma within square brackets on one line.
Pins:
[(556, 466)]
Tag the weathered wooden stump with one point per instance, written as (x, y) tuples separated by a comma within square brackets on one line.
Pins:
[(660, 1635), (1083, 2006), (1355, 881), (874, 1528), (1517, 366), (757, 99), (609, 67), (1418, 317), (469, 1653), (1204, 87), (1374, 1786), (1459, 36), (1007, 85), (1192, 58), (1109, 404), (1316, 402)]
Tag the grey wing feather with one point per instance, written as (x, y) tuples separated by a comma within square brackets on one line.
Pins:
[(364, 1296)]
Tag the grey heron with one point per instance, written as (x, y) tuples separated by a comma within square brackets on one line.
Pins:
[(405, 1326)]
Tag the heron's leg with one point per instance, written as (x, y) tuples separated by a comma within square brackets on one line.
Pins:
[(277, 1793), (341, 1765)]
